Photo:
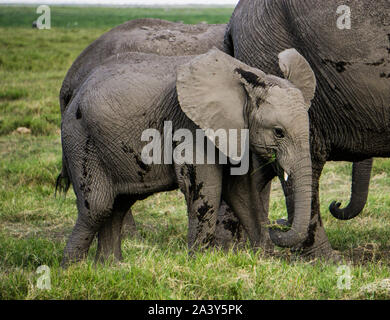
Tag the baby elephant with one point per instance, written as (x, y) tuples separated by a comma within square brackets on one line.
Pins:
[(133, 97), (164, 38)]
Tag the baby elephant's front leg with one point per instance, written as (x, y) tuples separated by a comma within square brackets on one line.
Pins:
[(202, 186)]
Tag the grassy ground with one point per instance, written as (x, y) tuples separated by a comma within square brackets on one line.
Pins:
[(34, 225)]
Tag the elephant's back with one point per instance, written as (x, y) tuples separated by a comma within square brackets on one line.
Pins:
[(141, 35), (120, 101), (261, 29), (129, 94), (128, 85), (153, 36), (164, 37)]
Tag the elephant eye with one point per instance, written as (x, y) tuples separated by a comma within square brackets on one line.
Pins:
[(279, 133)]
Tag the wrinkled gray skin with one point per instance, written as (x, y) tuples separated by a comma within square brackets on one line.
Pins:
[(141, 35), (132, 92), (350, 115), (169, 39), (163, 38)]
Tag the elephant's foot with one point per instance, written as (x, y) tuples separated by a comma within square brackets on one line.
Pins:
[(317, 246), (321, 252), (78, 244), (230, 233), (73, 255), (266, 245)]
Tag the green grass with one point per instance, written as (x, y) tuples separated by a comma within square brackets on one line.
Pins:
[(34, 225), (74, 18)]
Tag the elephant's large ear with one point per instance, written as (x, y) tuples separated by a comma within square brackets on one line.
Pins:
[(212, 95), (298, 71)]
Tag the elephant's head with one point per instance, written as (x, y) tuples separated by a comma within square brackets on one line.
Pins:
[(217, 91)]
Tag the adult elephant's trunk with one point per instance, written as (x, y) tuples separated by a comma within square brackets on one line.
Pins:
[(361, 174), (302, 186)]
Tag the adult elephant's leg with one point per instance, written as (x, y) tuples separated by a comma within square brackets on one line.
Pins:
[(110, 232), (248, 195)]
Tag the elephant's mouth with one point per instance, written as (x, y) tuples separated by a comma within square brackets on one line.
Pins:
[(265, 149), (265, 155), (283, 174)]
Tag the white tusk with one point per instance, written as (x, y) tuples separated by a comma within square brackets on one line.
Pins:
[(285, 176)]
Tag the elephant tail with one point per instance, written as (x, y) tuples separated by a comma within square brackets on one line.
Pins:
[(63, 180), (228, 46)]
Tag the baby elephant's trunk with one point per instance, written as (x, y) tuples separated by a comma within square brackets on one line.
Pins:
[(302, 188)]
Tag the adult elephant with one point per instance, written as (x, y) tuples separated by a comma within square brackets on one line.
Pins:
[(350, 114), (158, 37)]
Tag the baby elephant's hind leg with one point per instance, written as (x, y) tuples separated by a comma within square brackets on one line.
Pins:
[(79, 241), (93, 211), (110, 232), (94, 203)]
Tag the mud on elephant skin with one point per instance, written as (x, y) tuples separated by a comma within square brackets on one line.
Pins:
[(133, 92), (163, 38), (349, 117)]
